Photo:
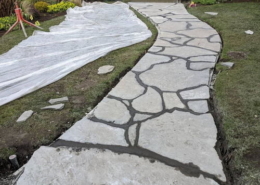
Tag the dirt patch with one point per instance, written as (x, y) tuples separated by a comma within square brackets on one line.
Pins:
[(236, 55), (253, 156)]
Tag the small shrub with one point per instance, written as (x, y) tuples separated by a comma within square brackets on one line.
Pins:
[(205, 2), (7, 22), (41, 6), (60, 7)]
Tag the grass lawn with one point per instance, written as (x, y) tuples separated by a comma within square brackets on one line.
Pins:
[(237, 91), (83, 87)]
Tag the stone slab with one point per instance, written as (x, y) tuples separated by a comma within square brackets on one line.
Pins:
[(201, 65), (204, 59), (198, 33), (54, 107), (196, 93), (183, 136), (171, 100), (95, 167), (200, 106), (203, 43), (87, 131), (227, 64), (25, 115), (58, 100), (211, 13), (105, 69)]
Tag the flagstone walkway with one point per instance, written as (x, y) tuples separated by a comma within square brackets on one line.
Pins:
[(155, 126)]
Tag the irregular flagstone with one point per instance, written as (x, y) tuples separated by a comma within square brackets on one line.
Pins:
[(132, 134), (196, 93), (174, 76), (158, 19), (201, 65), (171, 100), (112, 111), (128, 88), (172, 26), (186, 51), (215, 38), (178, 40), (59, 100), (200, 25), (147, 61), (198, 33), (150, 102), (204, 59), (54, 107), (105, 69), (155, 49), (200, 106), (203, 43), (87, 131), (141, 117), (182, 136), (88, 167), (25, 115), (161, 42)]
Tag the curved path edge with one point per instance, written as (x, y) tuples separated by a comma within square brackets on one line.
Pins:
[(155, 126)]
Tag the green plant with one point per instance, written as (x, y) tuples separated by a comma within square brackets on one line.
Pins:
[(205, 2), (6, 22), (41, 6), (60, 7)]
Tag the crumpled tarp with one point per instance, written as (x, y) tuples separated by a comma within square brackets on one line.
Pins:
[(87, 33)]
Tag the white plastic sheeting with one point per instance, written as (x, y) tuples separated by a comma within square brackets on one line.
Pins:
[(87, 33)]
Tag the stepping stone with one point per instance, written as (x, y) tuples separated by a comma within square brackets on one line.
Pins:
[(25, 116), (105, 69), (212, 13), (87, 131), (204, 59), (58, 100), (249, 32), (227, 64), (54, 107), (201, 65), (171, 100), (141, 117), (199, 106), (197, 93)]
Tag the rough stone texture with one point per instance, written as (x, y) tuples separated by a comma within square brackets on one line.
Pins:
[(203, 43), (181, 136), (149, 102), (200, 106), (172, 26), (25, 115), (132, 134), (54, 107), (201, 65), (58, 100), (197, 93), (204, 59), (141, 117), (112, 111), (199, 33), (127, 88), (227, 64), (105, 69), (174, 76), (88, 167), (87, 131), (155, 49), (186, 51), (215, 38), (148, 60), (158, 20), (171, 100)]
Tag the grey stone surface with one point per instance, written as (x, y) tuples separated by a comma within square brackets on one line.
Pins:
[(201, 65), (215, 38), (87, 131), (150, 102), (59, 100), (132, 134), (198, 33), (141, 117), (112, 111), (201, 25), (180, 136), (95, 167), (196, 93), (212, 13), (158, 19), (148, 60), (186, 51), (105, 69), (174, 76), (200, 106), (227, 64), (171, 100), (24, 116), (203, 43), (54, 107), (155, 49), (204, 59), (127, 88), (172, 26)]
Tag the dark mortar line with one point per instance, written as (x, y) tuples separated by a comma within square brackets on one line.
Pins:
[(187, 169), (127, 136), (162, 49), (95, 119), (137, 136)]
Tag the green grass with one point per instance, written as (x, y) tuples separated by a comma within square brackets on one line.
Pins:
[(83, 87), (238, 89)]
